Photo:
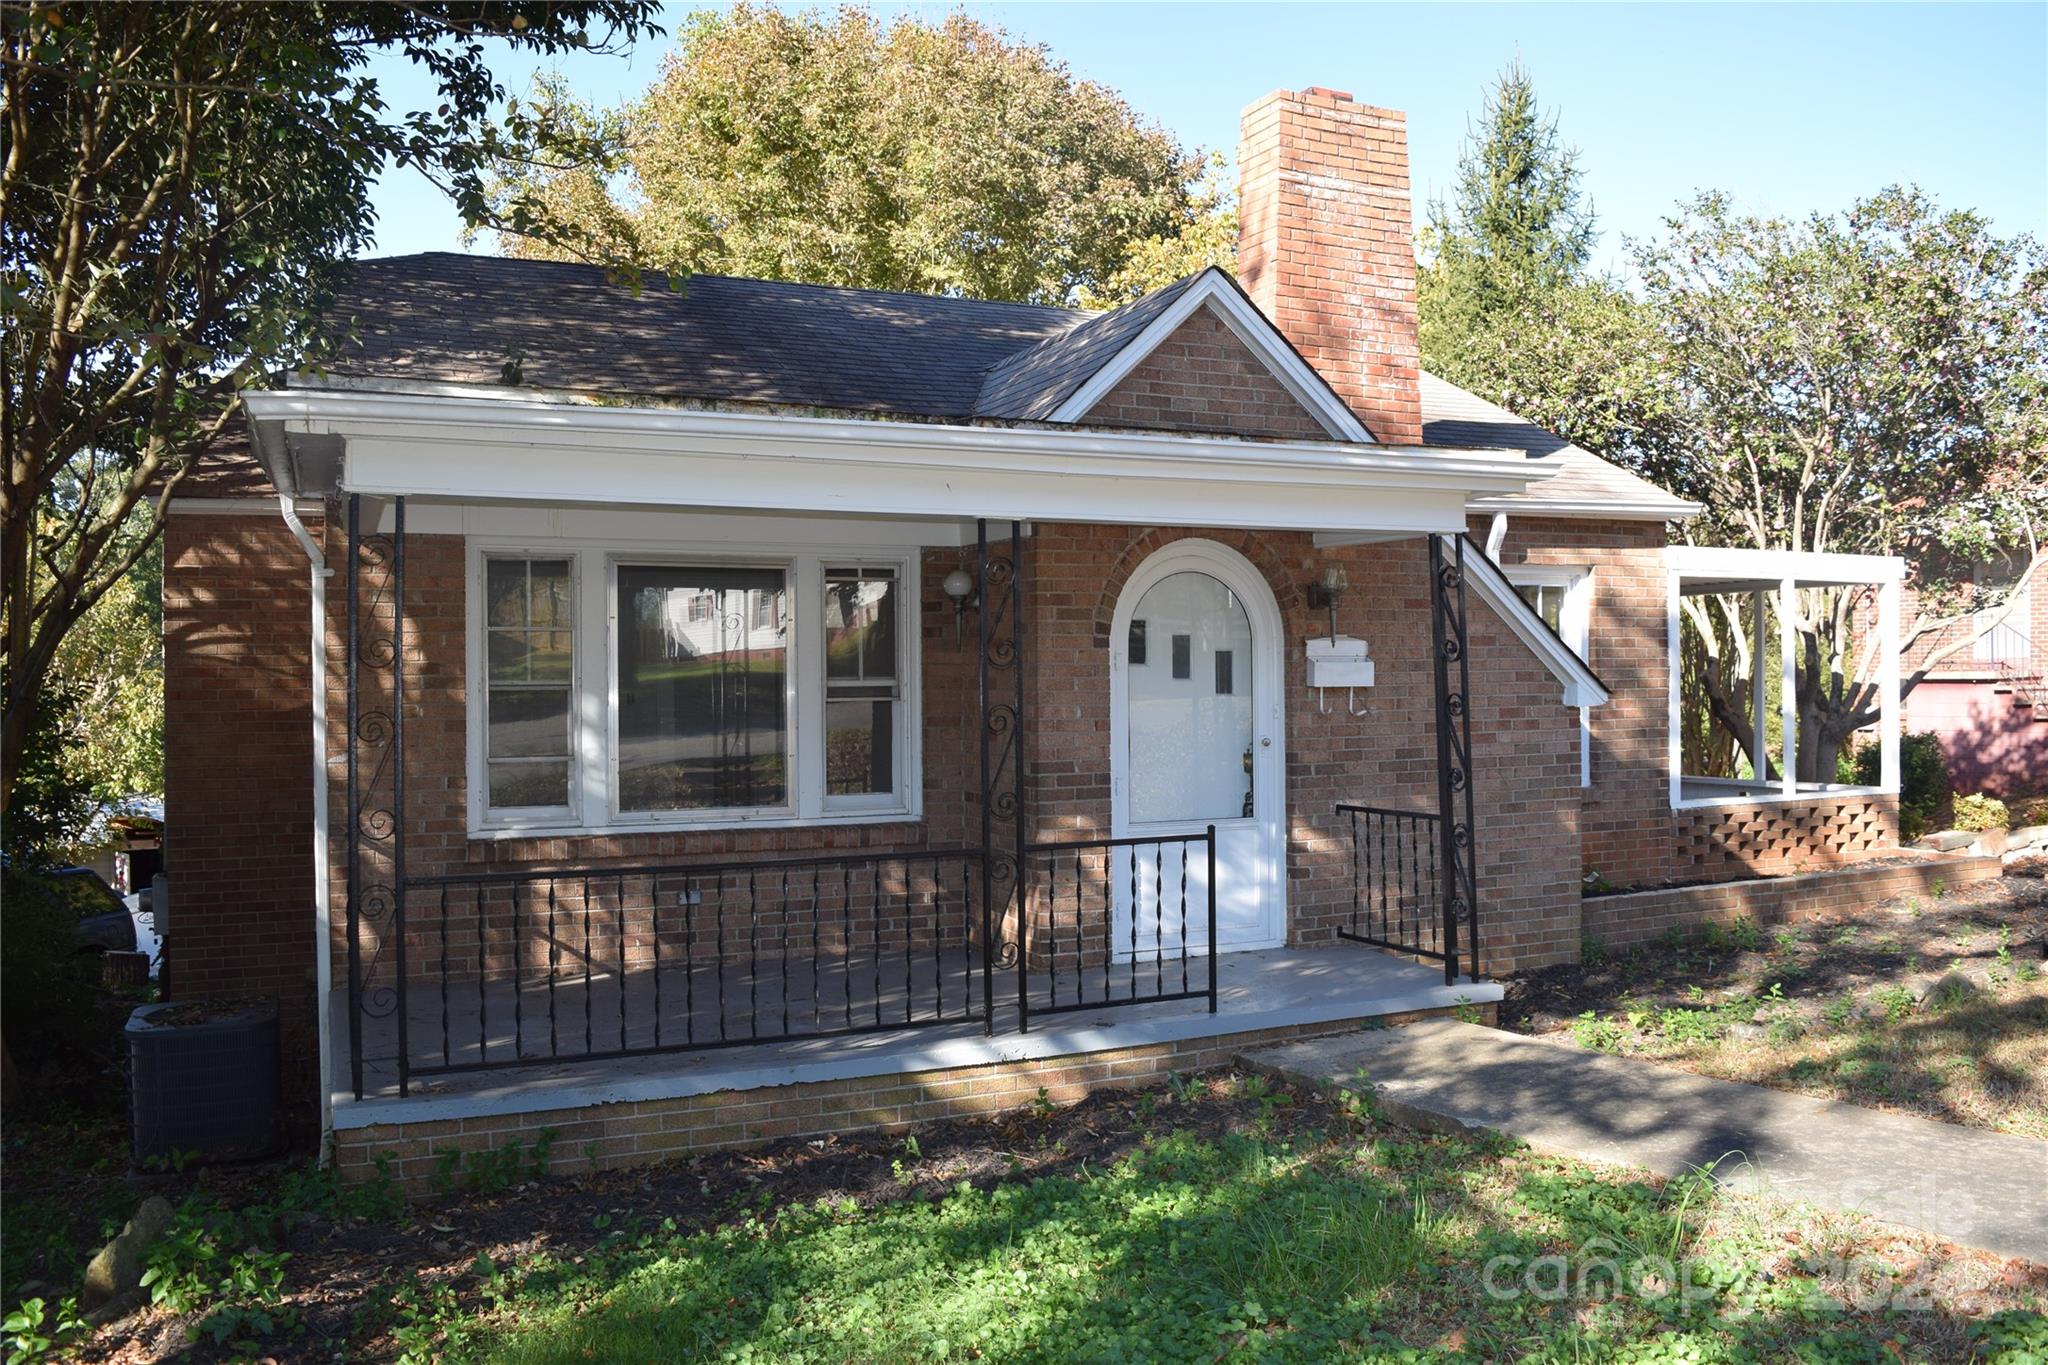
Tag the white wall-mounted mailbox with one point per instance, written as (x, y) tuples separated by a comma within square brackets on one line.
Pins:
[(1339, 661)]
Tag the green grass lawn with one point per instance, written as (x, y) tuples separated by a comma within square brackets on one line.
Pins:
[(1216, 1218), (1348, 1244), (1934, 1005)]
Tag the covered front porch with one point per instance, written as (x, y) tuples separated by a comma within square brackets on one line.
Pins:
[(1004, 899), (1280, 990)]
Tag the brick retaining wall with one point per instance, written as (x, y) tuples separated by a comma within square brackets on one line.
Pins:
[(1642, 916)]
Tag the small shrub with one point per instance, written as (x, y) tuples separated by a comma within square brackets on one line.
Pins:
[(1595, 1034), (1895, 1000), (1979, 812), (1740, 935), (1925, 788)]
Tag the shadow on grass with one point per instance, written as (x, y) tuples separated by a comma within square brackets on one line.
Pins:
[(1199, 1251)]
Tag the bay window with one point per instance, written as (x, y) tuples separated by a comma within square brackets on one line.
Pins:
[(614, 690)]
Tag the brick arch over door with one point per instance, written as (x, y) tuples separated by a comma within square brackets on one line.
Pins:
[(1283, 579)]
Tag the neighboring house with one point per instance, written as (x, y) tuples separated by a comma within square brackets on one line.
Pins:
[(1989, 700), (759, 709)]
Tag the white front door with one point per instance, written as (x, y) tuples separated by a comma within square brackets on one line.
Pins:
[(1196, 735)]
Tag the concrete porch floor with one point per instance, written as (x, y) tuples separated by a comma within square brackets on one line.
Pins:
[(1269, 989)]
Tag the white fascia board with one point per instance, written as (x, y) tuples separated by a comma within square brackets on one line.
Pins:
[(421, 445), (1486, 578), (1215, 291), (1809, 568), (1675, 510)]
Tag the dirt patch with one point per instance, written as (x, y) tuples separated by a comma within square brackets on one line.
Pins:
[(1934, 1005)]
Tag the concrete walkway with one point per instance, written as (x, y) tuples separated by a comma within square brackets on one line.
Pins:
[(1984, 1190)]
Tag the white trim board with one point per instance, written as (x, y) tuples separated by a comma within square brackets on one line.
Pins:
[(1215, 291), (517, 449), (1486, 578)]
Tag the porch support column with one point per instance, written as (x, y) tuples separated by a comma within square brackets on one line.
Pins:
[(1455, 824), (1000, 580), (1759, 705), (1788, 683), (1890, 722), (374, 653)]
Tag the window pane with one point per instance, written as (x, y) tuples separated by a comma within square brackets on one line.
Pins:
[(860, 747), (860, 625), (505, 592), (529, 722), (549, 600), (703, 723), (530, 784), (529, 662)]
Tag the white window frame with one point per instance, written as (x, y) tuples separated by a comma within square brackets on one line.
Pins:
[(1574, 627), (593, 787)]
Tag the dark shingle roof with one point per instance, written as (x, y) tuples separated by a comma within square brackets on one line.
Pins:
[(446, 317), (1031, 385), (1452, 416)]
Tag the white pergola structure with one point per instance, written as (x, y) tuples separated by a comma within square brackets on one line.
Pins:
[(1702, 569)]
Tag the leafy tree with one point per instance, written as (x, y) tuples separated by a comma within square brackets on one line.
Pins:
[(1875, 382), (181, 185), (930, 157)]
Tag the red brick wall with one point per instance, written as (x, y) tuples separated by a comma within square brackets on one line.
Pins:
[(238, 759), (1685, 911), (1525, 742), (1626, 825), (1202, 378), (439, 843), (1325, 246)]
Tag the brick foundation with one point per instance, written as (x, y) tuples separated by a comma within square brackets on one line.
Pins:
[(1645, 916), (609, 1136)]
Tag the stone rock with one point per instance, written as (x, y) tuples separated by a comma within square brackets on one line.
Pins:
[(1947, 839), (2028, 836), (118, 1267), (1950, 988), (1990, 843)]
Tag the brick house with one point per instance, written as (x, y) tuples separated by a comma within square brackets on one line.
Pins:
[(1987, 697), (674, 718)]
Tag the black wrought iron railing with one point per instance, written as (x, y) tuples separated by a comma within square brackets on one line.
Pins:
[(1119, 922), (514, 968), (1397, 897)]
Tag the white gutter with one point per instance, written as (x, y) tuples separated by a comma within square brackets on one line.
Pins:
[(514, 415), (323, 944)]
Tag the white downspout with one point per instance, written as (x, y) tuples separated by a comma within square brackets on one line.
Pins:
[(1496, 535), (323, 945)]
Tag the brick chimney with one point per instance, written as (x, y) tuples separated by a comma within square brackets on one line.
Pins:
[(1326, 246)]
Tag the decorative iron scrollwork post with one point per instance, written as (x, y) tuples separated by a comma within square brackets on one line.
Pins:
[(1454, 753), (1000, 579), (375, 667)]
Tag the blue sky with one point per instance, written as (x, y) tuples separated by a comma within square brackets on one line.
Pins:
[(1791, 108)]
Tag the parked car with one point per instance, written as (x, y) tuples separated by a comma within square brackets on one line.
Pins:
[(105, 923)]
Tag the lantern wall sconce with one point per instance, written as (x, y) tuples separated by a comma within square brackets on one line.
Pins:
[(960, 587), (1337, 660)]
